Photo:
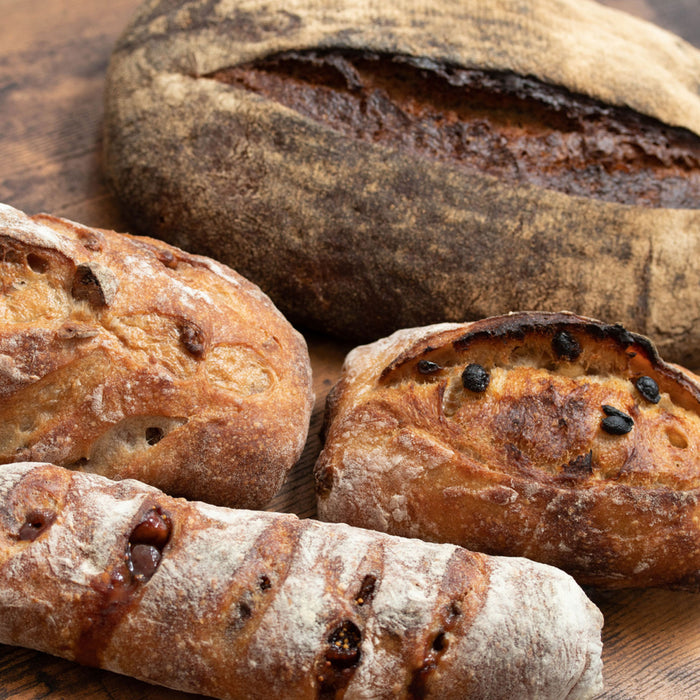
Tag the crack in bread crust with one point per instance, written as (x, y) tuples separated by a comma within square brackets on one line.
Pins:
[(513, 127)]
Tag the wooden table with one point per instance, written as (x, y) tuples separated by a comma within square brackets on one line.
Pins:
[(53, 55)]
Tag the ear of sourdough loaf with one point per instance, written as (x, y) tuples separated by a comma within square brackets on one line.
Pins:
[(127, 357), (549, 436), (408, 162), (243, 604)]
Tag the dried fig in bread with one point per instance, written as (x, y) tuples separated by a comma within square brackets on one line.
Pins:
[(127, 357), (409, 162), (245, 605), (545, 435)]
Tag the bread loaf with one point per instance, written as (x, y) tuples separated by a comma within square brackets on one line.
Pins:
[(545, 435), (243, 604), (410, 161), (127, 357)]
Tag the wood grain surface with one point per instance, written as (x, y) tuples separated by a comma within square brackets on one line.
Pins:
[(53, 55)]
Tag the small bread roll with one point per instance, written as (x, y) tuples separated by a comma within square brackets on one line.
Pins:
[(544, 435), (127, 357)]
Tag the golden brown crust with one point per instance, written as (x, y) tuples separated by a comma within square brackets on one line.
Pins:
[(369, 235), (130, 358), (251, 605), (567, 440)]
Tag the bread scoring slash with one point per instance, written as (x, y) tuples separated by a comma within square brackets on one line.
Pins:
[(245, 605), (127, 357), (546, 435), (411, 161)]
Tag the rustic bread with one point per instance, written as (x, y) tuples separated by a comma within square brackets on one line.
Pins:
[(550, 436), (127, 357), (409, 161), (244, 604)]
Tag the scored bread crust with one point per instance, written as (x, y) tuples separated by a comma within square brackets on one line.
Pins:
[(369, 238), (243, 604), (124, 356), (531, 464)]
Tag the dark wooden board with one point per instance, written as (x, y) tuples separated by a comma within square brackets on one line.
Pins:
[(53, 55)]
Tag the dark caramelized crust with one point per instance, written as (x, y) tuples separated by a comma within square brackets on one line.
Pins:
[(550, 436), (244, 604), (516, 128), (408, 162)]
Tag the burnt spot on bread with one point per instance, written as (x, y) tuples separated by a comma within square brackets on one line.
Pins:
[(35, 523), (579, 468), (94, 284), (340, 660), (514, 127), (566, 346)]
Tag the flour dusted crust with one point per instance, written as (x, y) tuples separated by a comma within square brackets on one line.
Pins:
[(233, 127), (579, 450), (127, 357), (244, 604)]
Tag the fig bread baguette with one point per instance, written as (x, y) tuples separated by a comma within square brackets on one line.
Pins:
[(545, 435), (243, 604), (130, 358), (409, 162)]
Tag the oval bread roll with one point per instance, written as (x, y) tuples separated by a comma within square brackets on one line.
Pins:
[(544, 435), (254, 605), (410, 161), (130, 358)]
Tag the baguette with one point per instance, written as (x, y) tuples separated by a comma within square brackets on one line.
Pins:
[(243, 604), (546, 435), (408, 162), (127, 357)]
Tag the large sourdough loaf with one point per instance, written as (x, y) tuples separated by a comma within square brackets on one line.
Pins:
[(253, 605), (378, 165), (130, 358), (550, 436)]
